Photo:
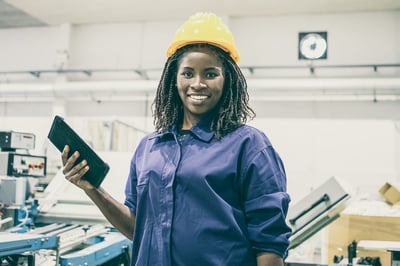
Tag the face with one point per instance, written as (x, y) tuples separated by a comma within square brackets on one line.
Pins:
[(200, 83)]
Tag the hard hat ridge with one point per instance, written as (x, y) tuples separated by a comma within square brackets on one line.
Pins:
[(204, 27)]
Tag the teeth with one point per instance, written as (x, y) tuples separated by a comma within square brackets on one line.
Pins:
[(198, 97)]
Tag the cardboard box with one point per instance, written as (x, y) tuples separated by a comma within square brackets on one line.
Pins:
[(390, 193), (357, 227)]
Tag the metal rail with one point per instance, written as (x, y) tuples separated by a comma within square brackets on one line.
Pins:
[(143, 73)]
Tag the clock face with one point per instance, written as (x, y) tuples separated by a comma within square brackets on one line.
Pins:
[(313, 45)]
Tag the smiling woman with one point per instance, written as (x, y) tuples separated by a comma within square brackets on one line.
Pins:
[(204, 188), (200, 84), (203, 35)]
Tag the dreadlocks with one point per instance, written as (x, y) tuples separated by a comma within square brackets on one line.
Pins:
[(232, 111)]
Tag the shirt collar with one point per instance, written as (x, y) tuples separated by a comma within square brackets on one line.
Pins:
[(202, 130)]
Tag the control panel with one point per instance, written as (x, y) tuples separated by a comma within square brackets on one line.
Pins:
[(15, 164)]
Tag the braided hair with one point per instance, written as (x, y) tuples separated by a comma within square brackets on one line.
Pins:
[(231, 112)]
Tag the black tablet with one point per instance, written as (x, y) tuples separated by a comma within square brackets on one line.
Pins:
[(62, 134)]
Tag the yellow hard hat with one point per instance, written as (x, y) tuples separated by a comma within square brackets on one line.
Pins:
[(204, 28)]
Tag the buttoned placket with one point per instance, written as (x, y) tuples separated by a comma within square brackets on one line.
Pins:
[(167, 197)]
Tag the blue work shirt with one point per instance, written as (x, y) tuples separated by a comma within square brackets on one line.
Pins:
[(200, 200)]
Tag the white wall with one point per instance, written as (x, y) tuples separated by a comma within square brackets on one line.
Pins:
[(359, 153), (354, 140), (354, 38), (362, 38)]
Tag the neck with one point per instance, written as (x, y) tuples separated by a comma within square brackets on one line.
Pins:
[(188, 122)]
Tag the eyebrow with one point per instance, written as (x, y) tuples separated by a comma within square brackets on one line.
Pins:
[(206, 69)]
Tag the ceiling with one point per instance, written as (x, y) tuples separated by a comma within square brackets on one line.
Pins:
[(32, 13), (37, 13)]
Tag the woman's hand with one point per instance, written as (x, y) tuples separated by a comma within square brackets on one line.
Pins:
[(118, 214), (74, 173)]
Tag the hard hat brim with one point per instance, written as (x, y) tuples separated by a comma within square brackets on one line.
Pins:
[(179, 44)]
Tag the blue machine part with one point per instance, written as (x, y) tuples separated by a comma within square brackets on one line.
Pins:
[(112, 245), (25, 216), (14, 243)]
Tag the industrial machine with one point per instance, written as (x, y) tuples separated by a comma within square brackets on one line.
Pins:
[(65, 244), (322, 207), (59, 226), (17, 166), (62, 227), (316, 210)]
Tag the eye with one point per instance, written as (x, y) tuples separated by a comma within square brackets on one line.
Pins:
[(187, 74), (211, 75)]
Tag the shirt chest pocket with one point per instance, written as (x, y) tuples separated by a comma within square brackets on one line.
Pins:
[(148, 178), (143, 180)]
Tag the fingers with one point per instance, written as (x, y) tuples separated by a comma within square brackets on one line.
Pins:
[(79, 169), (64, 155), (75, 174), (69, 162), (72, 171)]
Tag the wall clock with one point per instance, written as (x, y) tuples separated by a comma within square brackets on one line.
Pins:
[(313, 45)]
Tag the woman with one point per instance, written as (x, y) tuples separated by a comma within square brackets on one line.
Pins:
[(204, 188)]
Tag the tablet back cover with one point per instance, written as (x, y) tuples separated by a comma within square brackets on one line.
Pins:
[(62, 134)]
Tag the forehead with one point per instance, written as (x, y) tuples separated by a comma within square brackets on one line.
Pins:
[(203, 55)]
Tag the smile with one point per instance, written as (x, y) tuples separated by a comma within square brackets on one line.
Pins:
[(198, 97)]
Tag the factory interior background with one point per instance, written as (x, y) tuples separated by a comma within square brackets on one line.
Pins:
[(97, 64)]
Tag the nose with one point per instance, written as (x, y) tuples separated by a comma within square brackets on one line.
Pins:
[(198, 83)]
